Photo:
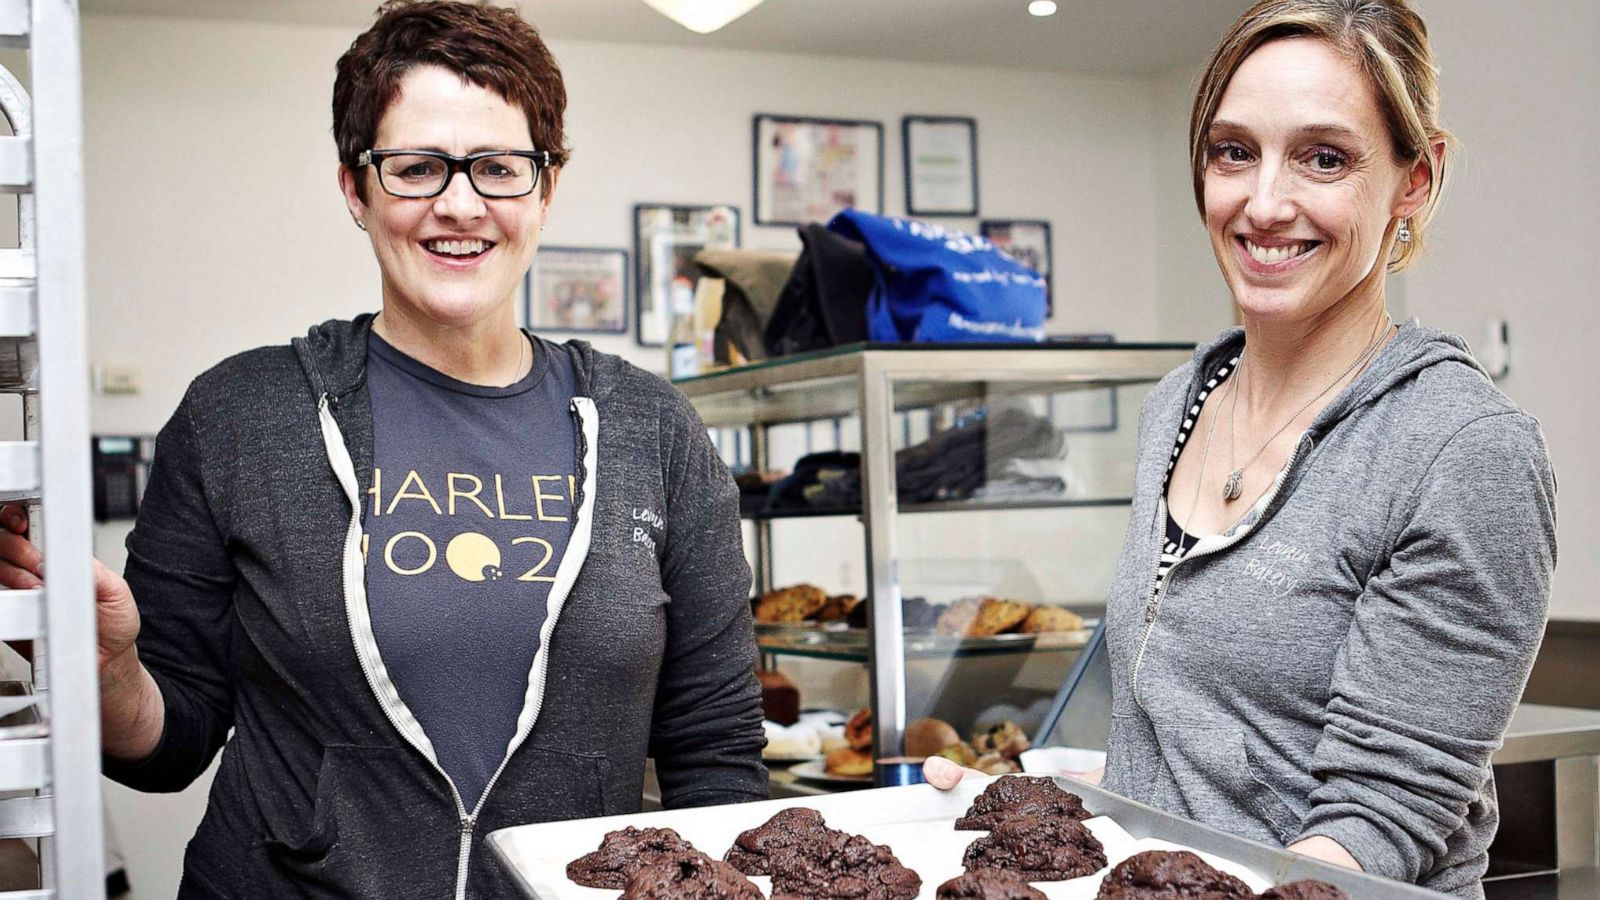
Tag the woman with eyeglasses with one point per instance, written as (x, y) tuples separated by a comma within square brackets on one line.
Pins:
[(438, 576)]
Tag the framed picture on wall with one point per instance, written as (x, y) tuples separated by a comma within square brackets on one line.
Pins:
[(583, 289), (1028, 242), (809, 169), (941, 164), (665, 240)]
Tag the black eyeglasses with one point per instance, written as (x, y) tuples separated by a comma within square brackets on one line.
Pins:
[(495, 174)]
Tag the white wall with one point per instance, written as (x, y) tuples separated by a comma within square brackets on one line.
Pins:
[(214, 222), (1509, 242)]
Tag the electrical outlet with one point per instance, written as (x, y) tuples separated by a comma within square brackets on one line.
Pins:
[(117, 378)]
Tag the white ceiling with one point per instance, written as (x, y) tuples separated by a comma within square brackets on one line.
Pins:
[(1134, 37)]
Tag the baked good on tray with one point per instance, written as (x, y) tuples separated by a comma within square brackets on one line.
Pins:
[(790, 828), (842, 866), (622, 853), (1304, 890), (1170, 875), (848, 762), (988, 884), (956, 618), (1038, 848), (996, 616), (790, 604), (838, 607), (689, 877), (1050, 618), (1018, 795)]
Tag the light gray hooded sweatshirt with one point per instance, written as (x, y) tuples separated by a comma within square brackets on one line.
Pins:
[(1346, 660)]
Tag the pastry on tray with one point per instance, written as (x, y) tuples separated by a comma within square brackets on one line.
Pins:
[(929, 737), (981, 617), (1024, 794), (996, 616), (1038, 848), (848, 762), (622, 853), (988, 884), (858, 731), (689, 877), (1304, 890), (843, 866), (1169, 875), (956, 618), (1006, 739), (1051, 618), (837, 608), (790, 604), (789, 829)]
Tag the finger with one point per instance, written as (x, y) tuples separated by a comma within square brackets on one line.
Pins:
[(108, 585), (15, 517), (18, 579), (942, 773), (20, 552)]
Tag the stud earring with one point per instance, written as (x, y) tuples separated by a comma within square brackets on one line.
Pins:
[(1404, 235)]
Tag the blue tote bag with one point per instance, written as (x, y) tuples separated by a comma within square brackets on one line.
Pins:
[(936, 284)]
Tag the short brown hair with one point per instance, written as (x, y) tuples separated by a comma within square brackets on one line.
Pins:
[(1387, 39), (490, 47)]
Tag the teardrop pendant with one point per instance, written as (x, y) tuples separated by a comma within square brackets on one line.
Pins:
[(1230, 491)]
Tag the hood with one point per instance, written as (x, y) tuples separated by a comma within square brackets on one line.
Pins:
[(334, 355), (1412, 350)]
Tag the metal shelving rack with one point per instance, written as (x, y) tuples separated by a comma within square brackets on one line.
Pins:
[(50, 765)]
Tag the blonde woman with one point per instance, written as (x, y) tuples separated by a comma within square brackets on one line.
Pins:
[(1337, 569)]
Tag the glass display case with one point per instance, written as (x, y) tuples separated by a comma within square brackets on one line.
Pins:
[(988, 487)]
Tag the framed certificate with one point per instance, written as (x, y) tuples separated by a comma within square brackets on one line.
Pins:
[(582, 289), (665, 240), (809, 169), (941, 163)]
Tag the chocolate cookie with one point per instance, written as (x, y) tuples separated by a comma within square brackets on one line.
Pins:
[(689, 877), (1170, 875), (843, 866), (623, 853), (790, 828), (1305, 890), (1006, 797), (1038, 849), (988, 884)]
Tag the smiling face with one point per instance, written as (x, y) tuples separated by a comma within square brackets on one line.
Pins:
[(1301, 182), (457, 259)]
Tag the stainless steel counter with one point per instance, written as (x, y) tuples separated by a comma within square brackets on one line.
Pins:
[(1550, 732)]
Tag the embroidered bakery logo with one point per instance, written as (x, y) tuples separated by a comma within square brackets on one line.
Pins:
[(1271, 572), (460, 503), (646, 520)]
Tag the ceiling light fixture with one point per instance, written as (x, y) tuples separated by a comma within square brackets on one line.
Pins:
[(1040, 8), (703, 16)]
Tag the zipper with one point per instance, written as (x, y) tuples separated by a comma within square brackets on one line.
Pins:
[(558, 598), (1204, 548), (347, 480)]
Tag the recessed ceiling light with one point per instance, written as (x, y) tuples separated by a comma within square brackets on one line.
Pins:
[(1042, 8), (703, 16)]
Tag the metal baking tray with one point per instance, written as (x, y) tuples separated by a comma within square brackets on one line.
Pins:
[(536, 855)]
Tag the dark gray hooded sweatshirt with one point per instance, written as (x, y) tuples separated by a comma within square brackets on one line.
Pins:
[(1345, 662), (246, 564)]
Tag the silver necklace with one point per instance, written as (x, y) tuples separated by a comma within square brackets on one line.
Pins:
[(1235, 483)]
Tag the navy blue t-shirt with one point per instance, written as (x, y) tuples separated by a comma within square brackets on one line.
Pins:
[(468, 517)]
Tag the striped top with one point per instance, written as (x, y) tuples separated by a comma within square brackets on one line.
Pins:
[(1179, 542)]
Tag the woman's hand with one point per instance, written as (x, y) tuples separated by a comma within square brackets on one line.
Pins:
[(1326, 849), (22, 567), (132, 713), (944, 774)]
